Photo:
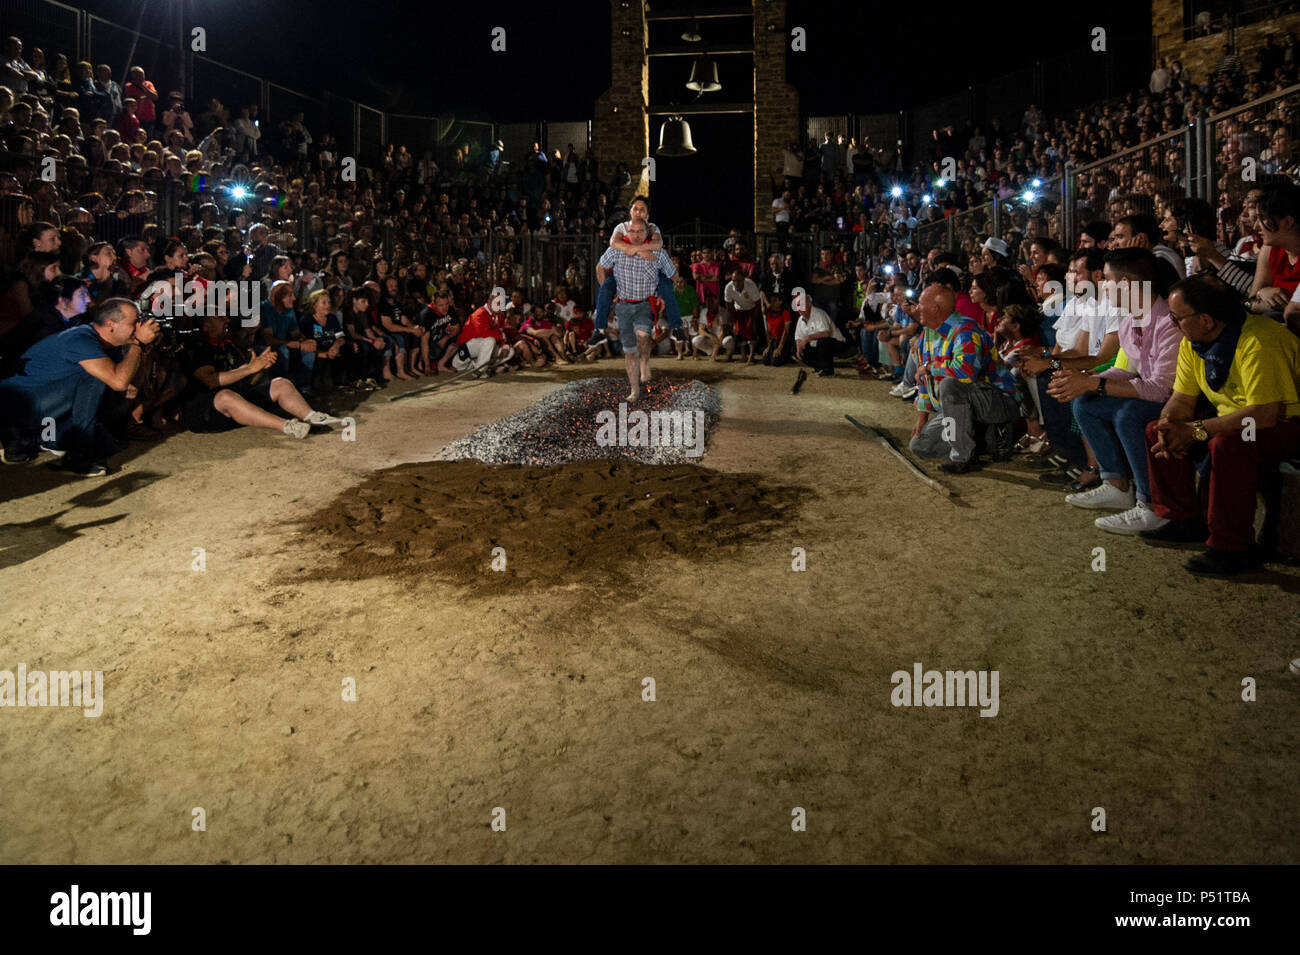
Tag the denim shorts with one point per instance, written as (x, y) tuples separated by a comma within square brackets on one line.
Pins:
[(633, 317)]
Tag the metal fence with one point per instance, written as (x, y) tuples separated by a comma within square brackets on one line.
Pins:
[(1140, 179), (234, 88), (1218, 159), (1207, 17), (283, 104), (52, 27), (1037, 210), (370, 135), (1245, 145), (122, 47)]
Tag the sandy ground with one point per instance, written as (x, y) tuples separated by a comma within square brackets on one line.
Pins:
[(480, 689)]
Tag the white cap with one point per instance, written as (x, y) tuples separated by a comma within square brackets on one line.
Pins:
[(995, 245)]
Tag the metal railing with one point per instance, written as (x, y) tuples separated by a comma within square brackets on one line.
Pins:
[(360, 130), (1218, 159), (1139, 179), (1245, 145)]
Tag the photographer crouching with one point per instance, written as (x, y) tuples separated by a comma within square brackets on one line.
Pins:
[(64, 376)]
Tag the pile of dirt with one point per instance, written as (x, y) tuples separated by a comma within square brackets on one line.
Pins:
[(585, 522)]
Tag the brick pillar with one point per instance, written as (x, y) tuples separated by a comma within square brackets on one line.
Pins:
[(620, 131), (776, 106), (1167, 27)]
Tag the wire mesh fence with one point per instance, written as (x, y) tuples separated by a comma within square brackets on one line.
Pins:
[(42, 24), (234, 88), (122, 48), (1246, 146), (1136, 180)]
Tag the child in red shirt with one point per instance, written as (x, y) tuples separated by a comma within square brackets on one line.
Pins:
[(778, 332)]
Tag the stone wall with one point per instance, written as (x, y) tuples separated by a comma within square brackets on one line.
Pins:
[(776, 106), (1201, 53), (620, 129)]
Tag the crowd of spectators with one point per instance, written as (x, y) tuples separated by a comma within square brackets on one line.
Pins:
[(842, 185), (355, 280), (1089, 362)]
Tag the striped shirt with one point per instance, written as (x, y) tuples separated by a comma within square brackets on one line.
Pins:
[(637, 279)]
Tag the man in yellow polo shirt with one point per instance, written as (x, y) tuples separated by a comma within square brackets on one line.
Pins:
[(1249, 368)]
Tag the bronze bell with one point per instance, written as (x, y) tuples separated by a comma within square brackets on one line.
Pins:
[(675, 138), (704, 76)]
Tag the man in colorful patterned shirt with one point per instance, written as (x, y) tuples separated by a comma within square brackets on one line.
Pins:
[(958, 384)]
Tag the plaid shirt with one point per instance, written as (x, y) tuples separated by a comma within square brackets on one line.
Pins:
[(959, 349), (637, 279)]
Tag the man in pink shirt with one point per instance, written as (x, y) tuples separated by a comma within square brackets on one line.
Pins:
[(145, 95), (1114, 407)]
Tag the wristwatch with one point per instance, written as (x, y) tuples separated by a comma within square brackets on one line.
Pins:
[(1198, 431), (1101, 385), (1056, 364)]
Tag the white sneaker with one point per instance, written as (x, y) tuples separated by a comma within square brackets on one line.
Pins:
[(1104, 497), (898, 389), (1138, 518), (909, 393), (297, 429), (320, 417)]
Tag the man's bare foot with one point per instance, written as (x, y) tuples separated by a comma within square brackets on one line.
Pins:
[(562, 361), (681, 356), (633, 397), (403, 376)]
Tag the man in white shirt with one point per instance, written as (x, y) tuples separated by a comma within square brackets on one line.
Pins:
[(1160, 78), (742, 297), (781, 212), (563, 304), (815, 335), (1087, 335), (712, 331)]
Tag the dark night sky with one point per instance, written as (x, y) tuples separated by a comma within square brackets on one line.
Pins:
[(426, 58)]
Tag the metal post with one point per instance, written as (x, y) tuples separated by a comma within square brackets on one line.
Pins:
[(952, 246), (180, 47), (169, 216), (1189, 157), (1066, 238), (1205, 189), (997, 218)]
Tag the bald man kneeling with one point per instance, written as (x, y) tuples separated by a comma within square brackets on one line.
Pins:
[(958, 384)]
